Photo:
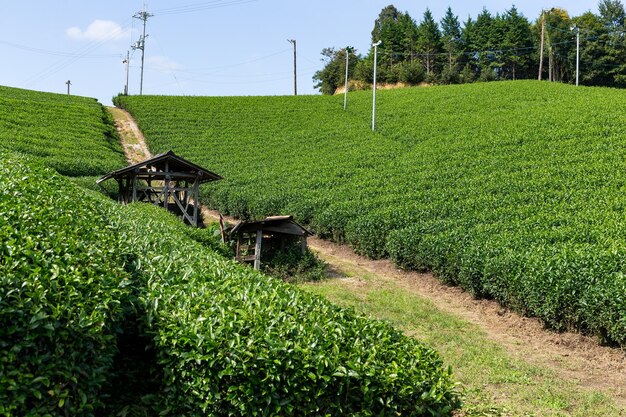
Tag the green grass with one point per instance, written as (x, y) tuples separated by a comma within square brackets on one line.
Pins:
[(68, 133), (494, 383), (513, 190)]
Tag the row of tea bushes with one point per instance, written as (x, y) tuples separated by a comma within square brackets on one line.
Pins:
[(232, 341), (71, 134), (61, 288), (226, 340), (513, 190)]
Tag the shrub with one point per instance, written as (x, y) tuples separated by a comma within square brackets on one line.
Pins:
[(490, 185), (87, 285), (61, 288), (74, 135)]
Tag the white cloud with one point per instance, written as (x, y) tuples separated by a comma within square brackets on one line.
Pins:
[(99, 30), (162, 63)]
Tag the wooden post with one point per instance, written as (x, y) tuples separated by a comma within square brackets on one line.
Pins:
[(120, 189), (166, 203), (257, 249), (135, 186), (196, 185), (303, 244), (167, 185)]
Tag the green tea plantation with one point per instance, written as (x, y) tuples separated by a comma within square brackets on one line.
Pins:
[(118, 310), (70, 134), (513, 190)]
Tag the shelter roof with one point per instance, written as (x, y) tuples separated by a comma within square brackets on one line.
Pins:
[(277, 224), (155, 166)]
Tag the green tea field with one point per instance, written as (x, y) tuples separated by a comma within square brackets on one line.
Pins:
[(513, 190), (122, 310), (69, 133)]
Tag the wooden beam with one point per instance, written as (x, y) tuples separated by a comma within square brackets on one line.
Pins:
[(303, 244), (166, 202), (257, 249), (185, 214), (120, 187), (134, 188), (196, 185)]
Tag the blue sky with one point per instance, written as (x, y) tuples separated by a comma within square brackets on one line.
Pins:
[(215, 47)]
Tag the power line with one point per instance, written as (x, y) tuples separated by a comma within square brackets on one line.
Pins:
[(169, 69), (196, 7), (203, 71), (283, 74), (80, 53), (56, 53)]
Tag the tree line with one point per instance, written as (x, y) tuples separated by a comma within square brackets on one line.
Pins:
[(490, 47)]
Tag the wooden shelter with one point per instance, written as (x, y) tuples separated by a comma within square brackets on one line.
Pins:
[(253, 237), (165, 180)]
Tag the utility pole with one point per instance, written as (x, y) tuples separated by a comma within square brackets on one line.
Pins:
[(141, 43), (345, 93), (68, 82), (543, 29), (374, 93), (295, 79), (577, 53), (127, 62)]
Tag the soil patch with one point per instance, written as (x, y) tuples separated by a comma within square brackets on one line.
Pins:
[(133, 141)]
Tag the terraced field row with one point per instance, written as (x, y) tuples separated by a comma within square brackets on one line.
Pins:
[(513, 190), (68, 133), (108, 309)]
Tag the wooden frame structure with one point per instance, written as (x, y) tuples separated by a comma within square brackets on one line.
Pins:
[(250, 236), (165, 180)]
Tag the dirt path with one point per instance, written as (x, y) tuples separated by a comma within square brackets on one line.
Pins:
[(133, 141), (571, 356)]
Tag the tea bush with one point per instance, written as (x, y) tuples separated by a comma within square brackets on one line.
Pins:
[(71, 134), (513, 190), (81, 276), (62, 283)]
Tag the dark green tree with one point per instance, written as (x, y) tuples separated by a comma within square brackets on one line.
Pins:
[(593, 59), (333, 75), (408, 29), (484, 45), (429, 42), (517, 45), (613, 17), (388, 30), (469, 60), (398, 33), (452, 44)]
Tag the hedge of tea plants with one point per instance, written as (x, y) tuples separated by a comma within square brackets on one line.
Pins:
[(69, 133), (513, 190), (61, 288), (78, 271)]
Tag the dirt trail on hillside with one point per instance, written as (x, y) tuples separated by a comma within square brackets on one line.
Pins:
[(571, 356), (133, 141)]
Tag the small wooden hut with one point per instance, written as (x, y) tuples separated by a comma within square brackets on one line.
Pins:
[(254, 237), (166, 180)]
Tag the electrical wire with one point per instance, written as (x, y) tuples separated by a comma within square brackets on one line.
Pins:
[(196, 7), (210, 71), (56, 53), (79, 54), (168, 69)]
